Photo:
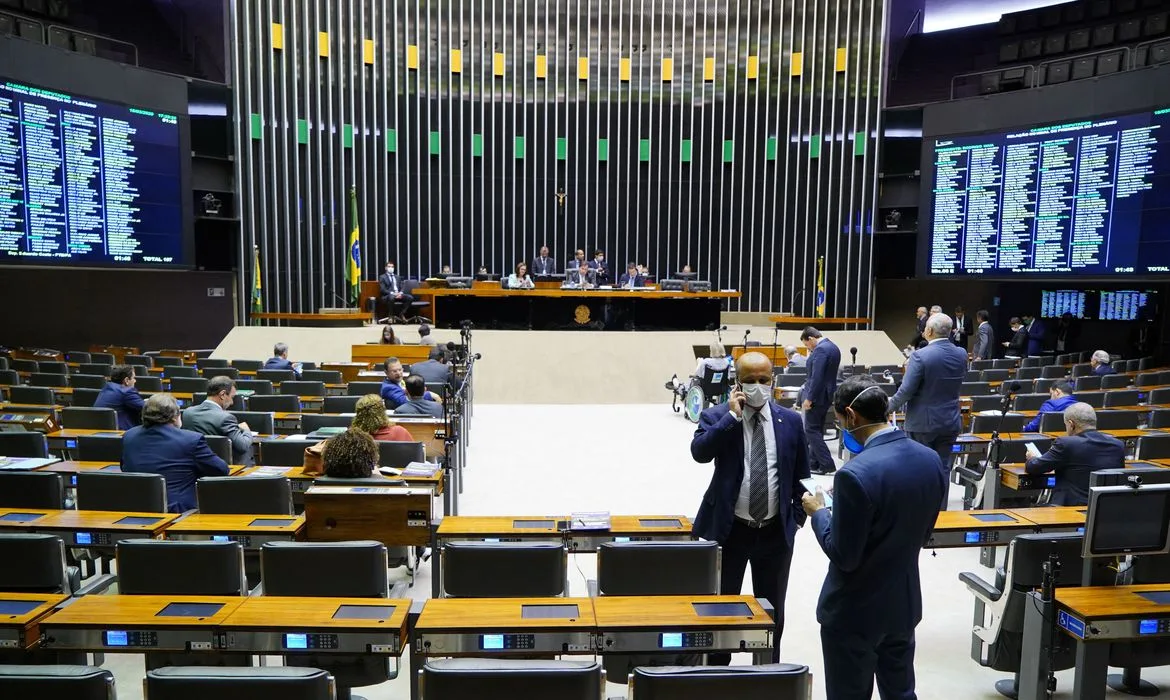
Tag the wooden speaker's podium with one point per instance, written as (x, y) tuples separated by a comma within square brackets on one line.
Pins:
[(394, 515)]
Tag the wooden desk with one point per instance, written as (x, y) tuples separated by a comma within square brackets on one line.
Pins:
[(1053, 518), (1111, 613), (98, 528), (23, 519), (977, 528), (394, 515), (356, 318), (803, 321), (431, 432), (20, 615), (301, 483), (251, 531), (349, 370), (500, 627), (375, 354), (288, 625), (75, 467), (503, 528), (633, 528), (138, 623), (66, 438), (682, 624), (1014, 476)]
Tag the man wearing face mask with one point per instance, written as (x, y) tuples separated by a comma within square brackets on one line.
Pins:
[(930, 391), (752, 505), (390, 285), (885, 502)]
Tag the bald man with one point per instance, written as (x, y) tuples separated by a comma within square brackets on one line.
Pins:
[(752, 506)]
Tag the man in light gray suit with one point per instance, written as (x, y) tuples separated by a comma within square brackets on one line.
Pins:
[(984, 337), (930, 391), (212, 418), (435, 369)]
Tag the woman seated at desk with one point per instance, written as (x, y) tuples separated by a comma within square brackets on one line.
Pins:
[(370, 417), (389, 337), (350, 455), (520, 279)]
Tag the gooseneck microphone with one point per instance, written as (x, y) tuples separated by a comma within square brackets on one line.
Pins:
[(853, 362)]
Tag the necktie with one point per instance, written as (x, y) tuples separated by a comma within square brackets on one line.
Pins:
[(758, 487)]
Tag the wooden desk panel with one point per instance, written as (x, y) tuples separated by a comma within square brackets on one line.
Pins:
[(199, 523), (492, 525), (280, 612), (632, 524), (22, 631), (1052, 517), (576, 293), (964, 520), (376, 353), (818, 322), (618, 612), (501, 613), (1104, 602), (77, 466), (10, 525), (301, 482), (74, 520), (140, 611), (393, 515)]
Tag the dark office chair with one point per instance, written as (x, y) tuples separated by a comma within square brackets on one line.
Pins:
[(340, 404), (238, 404), (209, 372), (1142, 380), (982, 364), (1153, 447), (274, 403), (33, 395), (992, 402), (258, 421), (999, 645), (162, 361), (986, 424), (57, 681), (188, 385), (972, 375), (24, 444), (1029, 372), (32, 490), (172, 371), (140, 370), (135, 493), (1096, 399), (102, 357), (283, 453), (1054, 372), (974, 389), (211, 363), (1118, 420), (456, 679), (1052, 422), (1123, 397), (363, 388), (1042, 386), (221, 446), (25, 365), (247, 365), (261, 683), (86, 398), (334, 570), (517, 569), (1140, 365), (77, 356), (98, 448), (400, 454), (1081, 370), (1159, 419), (1091, 382), (9, 377), (180, 568), (326, 376), (145, 360), (87, 381), (89, 418), (149, 384), (95, 368), (254, 495), (995, 375), (1116, 381), (258, 386), (312, 422), (47, 379), (302, 388), (764, 682), (1005, 363), (35, 563), (1029, 402), (1033, 362), (276, 376)]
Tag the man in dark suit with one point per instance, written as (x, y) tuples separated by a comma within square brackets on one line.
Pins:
[(1035, 328), (961, 329), (1102, 365), (600, 267), (1074, 457), (390, 287), (415, 404), (435, 369), (824, 359), (119, 394), (885, 502), (279, 360), (917, 341), (580, 277), (543, 264), (632, 278), (160, 446), (985, 338), (752, 505), (212, 418), (930, 391), (1018, 345)]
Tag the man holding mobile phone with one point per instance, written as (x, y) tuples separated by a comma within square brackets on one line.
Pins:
[(752, 505)]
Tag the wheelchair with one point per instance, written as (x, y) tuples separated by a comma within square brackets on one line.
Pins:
[(698, 394)]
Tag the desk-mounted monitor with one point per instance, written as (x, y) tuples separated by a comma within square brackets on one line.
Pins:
[(1123, 520)]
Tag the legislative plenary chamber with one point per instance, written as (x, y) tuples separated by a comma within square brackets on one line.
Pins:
[(584, 350)]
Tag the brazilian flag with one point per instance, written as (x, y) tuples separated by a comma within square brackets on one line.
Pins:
[(257, 302), (353, 271), (820, 313)]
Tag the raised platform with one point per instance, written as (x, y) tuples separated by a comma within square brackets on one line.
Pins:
[(553, 367)]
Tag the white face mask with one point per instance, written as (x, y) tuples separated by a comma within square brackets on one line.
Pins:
[(757, 394), (390, 270)]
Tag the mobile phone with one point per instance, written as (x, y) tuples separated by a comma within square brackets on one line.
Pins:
[(812, 486)]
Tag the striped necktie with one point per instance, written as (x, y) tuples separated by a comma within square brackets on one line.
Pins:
[(758, 486)]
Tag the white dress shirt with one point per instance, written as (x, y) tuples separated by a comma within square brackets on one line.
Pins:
[(743, 502)]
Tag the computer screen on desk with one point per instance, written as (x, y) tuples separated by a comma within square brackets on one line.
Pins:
[(1124, 520)]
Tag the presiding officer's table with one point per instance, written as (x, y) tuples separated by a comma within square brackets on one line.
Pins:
[(574, 308)]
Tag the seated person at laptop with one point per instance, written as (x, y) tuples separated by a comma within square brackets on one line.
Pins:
[(279, 360), (580, 278), (119, 394), (520, 279), (370, 416), (212, 418), (389, 337), (350, 455), (1074, 457), (1060, 397), (1100, 363), (160, 446), (416, 404), (392, 391), (633, 278)]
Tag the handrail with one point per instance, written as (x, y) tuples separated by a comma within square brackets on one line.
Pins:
[(92, 35), (1069, 59), (1027, 67), (1143, 45)]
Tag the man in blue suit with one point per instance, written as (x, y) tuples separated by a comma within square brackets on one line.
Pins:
[(930, 391), (1101, 363), (824, 359), (1035, 328), (119, 394), (279, 360), (885, 502), (752, 505), (1075, 457), (1060, 397), (160, 446)]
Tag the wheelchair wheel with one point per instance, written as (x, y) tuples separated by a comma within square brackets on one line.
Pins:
[(695, 403)]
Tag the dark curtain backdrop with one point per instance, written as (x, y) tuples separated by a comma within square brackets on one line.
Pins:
[(740, 141)]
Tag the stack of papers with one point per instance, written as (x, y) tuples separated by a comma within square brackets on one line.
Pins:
[(269, 471), (25, 463), (589, 521), (425, 469)]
